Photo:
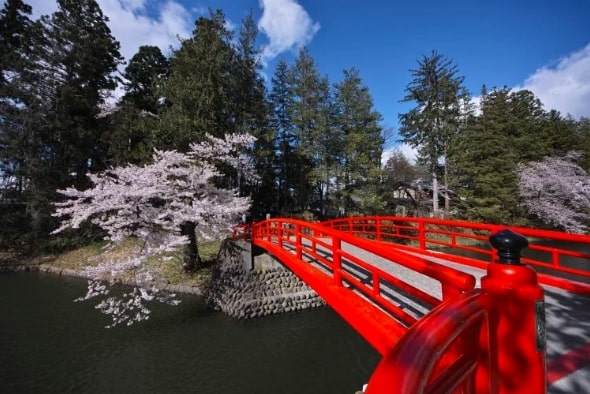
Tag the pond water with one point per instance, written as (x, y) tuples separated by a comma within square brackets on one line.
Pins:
[(49, 344)]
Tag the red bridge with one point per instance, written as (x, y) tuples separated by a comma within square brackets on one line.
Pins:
[(448, 312)]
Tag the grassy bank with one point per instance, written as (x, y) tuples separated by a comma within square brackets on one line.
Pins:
[(169, 271)]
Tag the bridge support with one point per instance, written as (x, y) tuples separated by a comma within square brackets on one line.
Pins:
[(247, 286)]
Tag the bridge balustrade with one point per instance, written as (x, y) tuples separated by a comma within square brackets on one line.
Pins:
[(557, 256), (488, 340), (319, 256)]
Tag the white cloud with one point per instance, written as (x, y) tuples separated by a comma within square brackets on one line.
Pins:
[(410, 153), (564, 86), (287, 25), (132, 27), (133, 5)]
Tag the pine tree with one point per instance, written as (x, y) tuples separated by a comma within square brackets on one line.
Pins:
[(82, 58), (15, 24), (313, 128), (16, 65), (512, 129), (439, 95), (198, 91), (146, 72), (361, 144), (485, 159), (250, 112), (281, 102), (129, 127), (20, 143)]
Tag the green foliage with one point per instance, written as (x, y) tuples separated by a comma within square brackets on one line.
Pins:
[(82, 59), (360, 144), (511, 129), (441, 105), (128, 135), (146, 72), (128, 129), (582, 131), (197, 93), (311, 120), (61, 70)]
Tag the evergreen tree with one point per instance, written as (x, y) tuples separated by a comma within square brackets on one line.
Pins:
[(250, 112), (512, 130), (15, 24), (15, 98), (312, 121), (82, 58), (281, 101), (361, 144), (129, 133), (146, 72), (20, 144), (582, 130), (440, 97), (198, 92), (485, 159)]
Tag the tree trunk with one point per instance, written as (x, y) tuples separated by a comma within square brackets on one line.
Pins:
[(446, 180), (435, 207), (190, 260)]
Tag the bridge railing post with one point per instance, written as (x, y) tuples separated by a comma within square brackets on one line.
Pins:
[(517, 319), (422, 234), (337, 260), (298, 241)]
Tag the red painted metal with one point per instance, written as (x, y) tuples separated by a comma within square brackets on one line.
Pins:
[(518, 346), (487, 340), (490, 338), (458, 237), (317, 255), (415, 363)]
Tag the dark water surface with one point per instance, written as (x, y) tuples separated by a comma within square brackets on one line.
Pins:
[(49, 344)]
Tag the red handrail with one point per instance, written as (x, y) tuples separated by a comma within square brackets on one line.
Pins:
[(486, 341), (297, 243), (415, 364), (456, 281), (473, 341), (458, 237)]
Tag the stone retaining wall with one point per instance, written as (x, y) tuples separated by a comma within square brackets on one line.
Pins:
[(243, 291)]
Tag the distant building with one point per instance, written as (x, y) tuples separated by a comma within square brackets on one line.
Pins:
[(415, 198)]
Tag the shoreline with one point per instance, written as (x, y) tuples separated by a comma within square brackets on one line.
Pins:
[(197, 290)]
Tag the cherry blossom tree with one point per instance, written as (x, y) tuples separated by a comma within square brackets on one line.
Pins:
[(557, 191), (168, 204)]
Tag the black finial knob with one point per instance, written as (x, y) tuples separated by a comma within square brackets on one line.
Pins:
[(509, 245)]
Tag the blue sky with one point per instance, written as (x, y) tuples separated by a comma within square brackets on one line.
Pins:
[(541, 45)]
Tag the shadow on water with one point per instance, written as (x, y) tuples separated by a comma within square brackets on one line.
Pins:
[(49, 344)]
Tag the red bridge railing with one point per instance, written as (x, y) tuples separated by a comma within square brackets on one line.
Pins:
[(323, 259), (557, 256), (488, 340)]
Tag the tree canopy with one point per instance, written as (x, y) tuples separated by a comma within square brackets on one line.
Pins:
[(319, 142)]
